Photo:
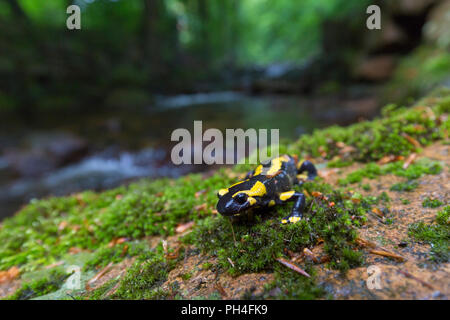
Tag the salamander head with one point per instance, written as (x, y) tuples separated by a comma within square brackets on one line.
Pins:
[(229, 205), (239, 197)]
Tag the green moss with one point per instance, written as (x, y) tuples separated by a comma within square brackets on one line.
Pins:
[(431, 203), (41, 286), (373, 170), (291, 285), (35, 236), (404, 186), (113, 254), (44, 231), (143, 279), (257, 242), (101, 292), (339, 163), (437, 235), (443, 216), (207, 266), (388, 135)]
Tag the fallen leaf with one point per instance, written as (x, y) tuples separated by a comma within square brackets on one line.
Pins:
[(9, 275), (201, 207), (62, 225), (293, 267), (409, 160), (378, 212), (75, 250), (56, 264), (183, 227), (231, 262), (199, 193), (117, 241), (308, 253)]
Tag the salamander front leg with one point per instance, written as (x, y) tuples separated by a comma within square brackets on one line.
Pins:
[(310, 169), (297, 210)]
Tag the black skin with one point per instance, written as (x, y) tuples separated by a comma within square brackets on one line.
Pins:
[(278, 189)]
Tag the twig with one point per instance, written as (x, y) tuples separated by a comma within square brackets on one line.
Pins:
[(232, 230), (221, 290), (387, 254), (409, 275)]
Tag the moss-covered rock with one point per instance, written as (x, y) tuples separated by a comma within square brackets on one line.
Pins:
[(115, 225)]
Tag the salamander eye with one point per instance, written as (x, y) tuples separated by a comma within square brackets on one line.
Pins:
[(241, 198)]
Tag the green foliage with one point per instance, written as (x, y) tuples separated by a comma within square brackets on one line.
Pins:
[(143, 278), (437, 235), (431, 203), (418, 73), (385, 136), (373, 170), (291, 285), (35, 237), (255, 244), (45, 230), (41, 286), (404, 186)]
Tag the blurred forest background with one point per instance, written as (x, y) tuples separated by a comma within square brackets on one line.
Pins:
[(93, 108)]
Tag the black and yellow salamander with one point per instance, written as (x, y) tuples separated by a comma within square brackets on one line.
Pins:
[(270, 184)]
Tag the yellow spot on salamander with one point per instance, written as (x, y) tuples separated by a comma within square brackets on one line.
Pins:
[(258, 170), (258, 190), (284, 221), (271, 203), (222, 192), (302, 176), (237, 183), (286, 195), (294, 219), (276, 164), (251, 200)]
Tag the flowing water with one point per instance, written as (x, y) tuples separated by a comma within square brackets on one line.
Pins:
[(121, 146)]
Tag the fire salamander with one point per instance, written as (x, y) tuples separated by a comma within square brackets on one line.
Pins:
[(268, 185)]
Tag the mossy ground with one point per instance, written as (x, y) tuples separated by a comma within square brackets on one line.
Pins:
[(130, 223)]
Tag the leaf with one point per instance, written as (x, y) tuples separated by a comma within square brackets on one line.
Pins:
[(409, 160), (9, 275), (183, 227), (293, 267)]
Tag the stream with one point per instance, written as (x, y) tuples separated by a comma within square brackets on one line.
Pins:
[(101, 150)]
